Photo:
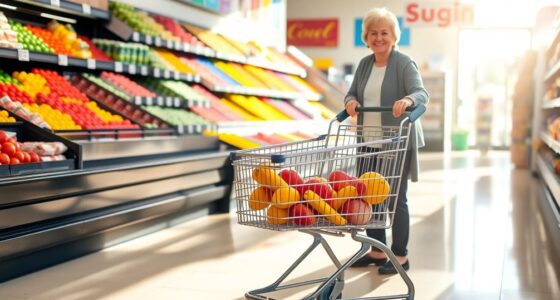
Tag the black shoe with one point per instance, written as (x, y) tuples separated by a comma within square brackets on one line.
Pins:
[(388, 268), (367, 260)]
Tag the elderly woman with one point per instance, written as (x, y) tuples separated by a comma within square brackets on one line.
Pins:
[(388, 77)]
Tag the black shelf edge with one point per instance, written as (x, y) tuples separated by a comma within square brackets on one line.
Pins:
[(167, 101), (92, 64), (261, 92), (550, 142), (549, 178), (78, 9), (554, 103)]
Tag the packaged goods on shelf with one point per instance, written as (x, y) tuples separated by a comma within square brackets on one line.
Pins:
[(176, 116), (177, 30), (8, 37), (128, 86), (133, 53), (18, 109)]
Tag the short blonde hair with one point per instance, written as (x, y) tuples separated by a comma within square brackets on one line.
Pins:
[(380, 14)]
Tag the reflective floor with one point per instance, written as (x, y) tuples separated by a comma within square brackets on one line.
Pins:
[(477, 233)]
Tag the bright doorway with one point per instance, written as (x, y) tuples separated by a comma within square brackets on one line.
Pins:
[(488, 69)]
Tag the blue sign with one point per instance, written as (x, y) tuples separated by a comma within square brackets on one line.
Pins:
[(405, 33)]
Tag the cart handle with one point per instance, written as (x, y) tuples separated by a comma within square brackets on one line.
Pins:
[(414, 111)]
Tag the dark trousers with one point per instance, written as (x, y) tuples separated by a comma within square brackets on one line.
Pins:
[(401, 219)]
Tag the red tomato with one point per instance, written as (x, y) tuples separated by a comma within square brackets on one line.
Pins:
[(34, 157), (14, 161), (26, 157), (20, 156), (3, 136), (9, 148), (4, 159)]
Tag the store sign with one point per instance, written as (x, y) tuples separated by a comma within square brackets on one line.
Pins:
[(313, 33), (439, 14)]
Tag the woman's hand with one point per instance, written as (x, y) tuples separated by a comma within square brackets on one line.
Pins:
[(351, 107), (400, 106)]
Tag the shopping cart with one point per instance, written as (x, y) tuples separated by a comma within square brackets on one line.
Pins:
[(343, 182)]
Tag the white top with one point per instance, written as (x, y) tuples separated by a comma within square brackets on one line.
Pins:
[(372, 95)]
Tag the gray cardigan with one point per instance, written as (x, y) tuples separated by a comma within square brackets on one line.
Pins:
[(402, 79)]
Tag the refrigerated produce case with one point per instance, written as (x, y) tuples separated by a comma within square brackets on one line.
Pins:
[(118, 184)]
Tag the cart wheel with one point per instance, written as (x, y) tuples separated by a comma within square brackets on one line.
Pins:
[(336, 286)]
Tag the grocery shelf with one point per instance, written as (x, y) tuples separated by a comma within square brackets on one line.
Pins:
[(261, 92), (548, 140), (550, 178), (92, 64), (554, 103), (126, 33), (76, 9), (552, 72)]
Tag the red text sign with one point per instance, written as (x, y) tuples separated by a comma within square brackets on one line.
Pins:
[(441, 14), (314, 33)]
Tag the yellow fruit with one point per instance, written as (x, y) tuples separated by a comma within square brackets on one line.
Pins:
[(266, 176), (284, 197), (259, 198), (378, 189), (345, 193), (277, 216), (324, 208)]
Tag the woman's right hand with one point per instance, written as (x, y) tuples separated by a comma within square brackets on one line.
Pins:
[(351, 107)]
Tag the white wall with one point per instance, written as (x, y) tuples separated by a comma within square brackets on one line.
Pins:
[(425, 42)]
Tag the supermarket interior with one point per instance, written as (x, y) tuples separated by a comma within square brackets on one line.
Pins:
[(209, 149)]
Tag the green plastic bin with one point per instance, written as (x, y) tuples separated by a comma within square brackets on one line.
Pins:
[(460, 140)]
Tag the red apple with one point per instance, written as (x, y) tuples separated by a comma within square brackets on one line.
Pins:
[(339, 179), (9, 148), (301, 215), (356, 212), (292, 178), (320, 188), (4, 159)]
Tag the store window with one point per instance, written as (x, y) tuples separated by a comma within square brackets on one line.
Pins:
[(488, 64)]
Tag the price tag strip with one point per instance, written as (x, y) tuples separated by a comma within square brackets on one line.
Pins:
[(91, 64), (23, 55), (118, 67), (144, 70), (132, 69), (62, 60), (86, 9)]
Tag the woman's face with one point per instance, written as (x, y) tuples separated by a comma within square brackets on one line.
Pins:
[(380, 37)]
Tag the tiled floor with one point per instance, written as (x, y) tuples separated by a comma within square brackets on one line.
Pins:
[(476, 234)]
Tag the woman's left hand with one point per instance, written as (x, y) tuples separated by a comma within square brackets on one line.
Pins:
[(400, 106)]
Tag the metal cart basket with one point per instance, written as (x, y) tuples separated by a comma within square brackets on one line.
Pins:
[(343, 182)]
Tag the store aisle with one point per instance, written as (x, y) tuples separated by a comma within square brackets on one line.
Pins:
[(476, 234)]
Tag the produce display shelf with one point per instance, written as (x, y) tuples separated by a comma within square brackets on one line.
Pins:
[(547, 139), (554, 103), (261, 92), (77, 9), (22, 55), (550, 178), (26, 132), (126, 33)]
